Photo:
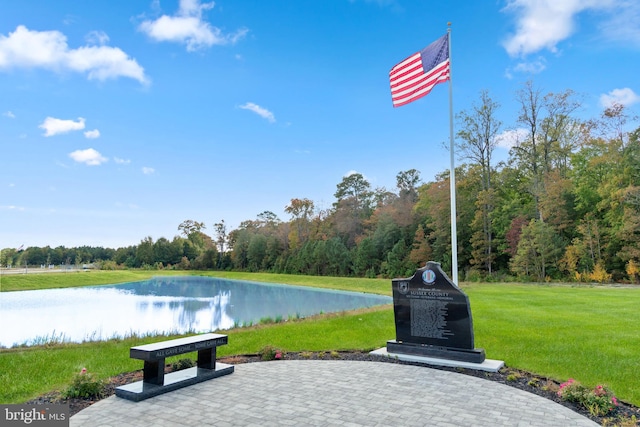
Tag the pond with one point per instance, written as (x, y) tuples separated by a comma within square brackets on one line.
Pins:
[(161, 305)]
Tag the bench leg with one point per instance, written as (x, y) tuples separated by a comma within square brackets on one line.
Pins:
[(207, 358), (154, 372)]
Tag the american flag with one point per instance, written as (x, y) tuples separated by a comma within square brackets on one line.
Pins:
[(414, 77)]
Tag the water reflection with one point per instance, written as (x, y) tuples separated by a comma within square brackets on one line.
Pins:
[(160, 305)]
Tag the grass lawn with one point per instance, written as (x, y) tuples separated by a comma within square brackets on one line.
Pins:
[(27, 282), (587, 333)]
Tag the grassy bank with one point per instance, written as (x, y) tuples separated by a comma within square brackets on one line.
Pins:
[(588, 333), (35, 281)]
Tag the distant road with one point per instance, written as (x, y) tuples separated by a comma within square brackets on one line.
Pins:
[(36, 270)]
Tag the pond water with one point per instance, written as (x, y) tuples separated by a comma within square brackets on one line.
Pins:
[(161, 305)]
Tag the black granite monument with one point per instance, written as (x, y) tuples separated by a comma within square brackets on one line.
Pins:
[(433, 317)]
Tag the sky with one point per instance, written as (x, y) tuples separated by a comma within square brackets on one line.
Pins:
[(120, 120)]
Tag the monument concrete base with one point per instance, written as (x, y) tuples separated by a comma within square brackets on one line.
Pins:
[(488, 365), (459, 354)]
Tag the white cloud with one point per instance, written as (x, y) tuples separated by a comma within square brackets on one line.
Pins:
[(262, 112), (534, 67), (90, 157), (92, 134), (510, 138), (188, 27), (624, 96), (9, 114), (120, 161), (53, 126), (99, 38), (49, 50), (12, 208), (148, 171), (542, 24), (623, 24)]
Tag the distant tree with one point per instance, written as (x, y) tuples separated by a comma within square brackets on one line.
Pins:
[(548, 120), (353, 205), (239, 240), (407, 184), (162, 252), (539, 250), (477, 142), (256, 252), (301, 211), (357, 188), (433, 208), (6, 256), (188, 227), (221, 235), (397, 263), (144, 252), (365, 258), (420, 252)]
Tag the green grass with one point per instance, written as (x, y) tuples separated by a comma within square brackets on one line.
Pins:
[(35, 281), (587, 333), (26, 282)]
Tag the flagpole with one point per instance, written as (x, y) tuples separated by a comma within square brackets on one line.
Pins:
[(452, 174)]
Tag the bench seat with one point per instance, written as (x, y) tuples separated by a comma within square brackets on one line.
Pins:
[(155, 381)]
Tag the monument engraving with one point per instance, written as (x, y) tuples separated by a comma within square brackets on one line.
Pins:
[(433, 317)]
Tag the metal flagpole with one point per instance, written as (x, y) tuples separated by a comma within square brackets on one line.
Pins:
[(452, 175)]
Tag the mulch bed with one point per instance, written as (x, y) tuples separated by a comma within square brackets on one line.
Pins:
[(522, 380)]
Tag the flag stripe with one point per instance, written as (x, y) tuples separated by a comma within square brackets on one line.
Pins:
[(421, 86), (420, 79), (415, 76)]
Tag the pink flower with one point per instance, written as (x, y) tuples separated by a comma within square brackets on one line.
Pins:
[(599, 391), (614, 401), (83, 371), (278, 355)]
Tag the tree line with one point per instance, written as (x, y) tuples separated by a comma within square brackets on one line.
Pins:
[(564, 206)]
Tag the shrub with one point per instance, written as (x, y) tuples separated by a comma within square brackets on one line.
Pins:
[(271, 353), (600, 274), (598, 401), (632, 270), (85, 385), (182, 364), (473, 275), (108, 265)]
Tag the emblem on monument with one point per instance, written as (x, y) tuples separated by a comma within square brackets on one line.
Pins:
[(403, 287), (428, 277)]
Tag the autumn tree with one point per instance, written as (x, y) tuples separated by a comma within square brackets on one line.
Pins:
[(539, 250), (189, 226), (550, 126), (301, 211), (477, 142), (353, 205)]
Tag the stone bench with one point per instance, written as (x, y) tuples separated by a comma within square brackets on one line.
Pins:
[(156, 382)]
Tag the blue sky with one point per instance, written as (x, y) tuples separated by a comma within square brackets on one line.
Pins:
[(120, 120)]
